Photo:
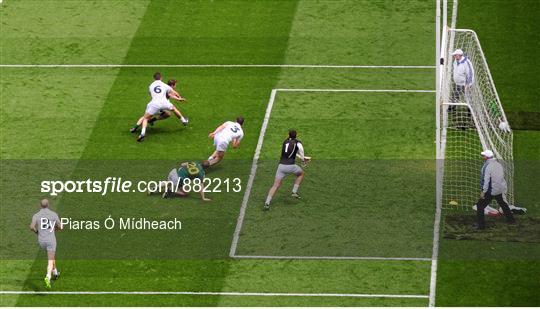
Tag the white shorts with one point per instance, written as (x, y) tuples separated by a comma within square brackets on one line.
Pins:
[(221, 144), (154, 108), (49, 246)]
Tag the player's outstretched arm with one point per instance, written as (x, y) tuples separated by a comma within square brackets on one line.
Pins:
[(216, 131), (300, 153), (203, 197), (175, 95)]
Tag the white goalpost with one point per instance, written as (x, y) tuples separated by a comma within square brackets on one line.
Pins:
[(470, 119)]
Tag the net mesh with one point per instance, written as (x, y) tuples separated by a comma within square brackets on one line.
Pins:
[(472, 120)]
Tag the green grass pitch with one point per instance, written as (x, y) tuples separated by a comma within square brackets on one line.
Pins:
[(369, 192)]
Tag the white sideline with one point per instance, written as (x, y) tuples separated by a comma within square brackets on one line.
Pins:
[(242, 214), (212, 293), (321, 66), (437, 220), (286, 257)]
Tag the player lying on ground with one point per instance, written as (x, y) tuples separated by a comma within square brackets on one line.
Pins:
[(223, 135), (44, 223), (290, 149), (158, 92), (185, 174)]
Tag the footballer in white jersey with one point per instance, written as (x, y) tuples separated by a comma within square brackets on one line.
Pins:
[(159, 106), (164, 112), (158, 91), (223, 135)]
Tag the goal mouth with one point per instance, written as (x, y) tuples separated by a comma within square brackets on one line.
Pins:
[(471, 119)]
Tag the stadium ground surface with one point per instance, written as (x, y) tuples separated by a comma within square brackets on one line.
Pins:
[(368, 148)]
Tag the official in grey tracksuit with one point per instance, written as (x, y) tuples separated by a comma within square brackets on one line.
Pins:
[(493, 186), (44, 223)]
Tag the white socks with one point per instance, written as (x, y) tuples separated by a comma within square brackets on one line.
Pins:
[(295, 188)]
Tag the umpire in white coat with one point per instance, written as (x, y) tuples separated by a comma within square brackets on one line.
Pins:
[(493, 186), (463, 75)]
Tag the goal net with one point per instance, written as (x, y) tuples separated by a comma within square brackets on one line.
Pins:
[(472, 119)]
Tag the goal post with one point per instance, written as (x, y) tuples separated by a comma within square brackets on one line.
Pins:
[(471, 119)]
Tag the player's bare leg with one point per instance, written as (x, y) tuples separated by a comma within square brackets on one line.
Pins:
[(297, 183), (163, 187), (180, 192), (271, 193), (50, 266), (161, 116), (179, 115), (216, 157), (137, 125), (55, 272), (146, 117), (212, 156), (172, 192)]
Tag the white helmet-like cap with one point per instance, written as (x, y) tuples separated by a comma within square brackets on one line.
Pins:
[(457, 52), (487, 153)]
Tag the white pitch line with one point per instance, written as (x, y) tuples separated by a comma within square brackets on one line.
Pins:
[(437, 220), (242, 214), (321, 66), (213, 293), (277, 257), (354, 90)]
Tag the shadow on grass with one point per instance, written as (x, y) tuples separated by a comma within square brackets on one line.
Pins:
[(460, 227)]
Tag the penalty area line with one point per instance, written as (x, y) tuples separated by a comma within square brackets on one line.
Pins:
[(251, 179), (277, 257), (263, 294), (312, 66), (354, 90)]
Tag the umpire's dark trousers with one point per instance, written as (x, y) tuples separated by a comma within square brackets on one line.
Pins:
[(482, 203), (458, 95)]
